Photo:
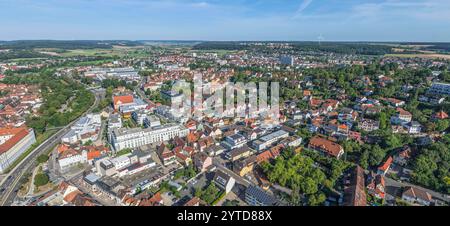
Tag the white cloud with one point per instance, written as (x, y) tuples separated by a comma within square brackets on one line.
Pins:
[(302, 7)]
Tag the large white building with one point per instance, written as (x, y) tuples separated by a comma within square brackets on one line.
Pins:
[(85, 129), (136, 137), (125, 73), (13, 143), (124, 165), (71, 158), (267, 140)]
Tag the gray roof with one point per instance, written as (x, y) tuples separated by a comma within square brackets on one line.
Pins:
[(91, 178), (260, 195), (273, 135)]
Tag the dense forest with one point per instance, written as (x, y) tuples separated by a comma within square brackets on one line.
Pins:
[(15, 54), (329, 47)]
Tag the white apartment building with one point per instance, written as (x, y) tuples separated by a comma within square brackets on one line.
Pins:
[(86, 128), (114, 122), (72, 160), (13, 143), (136, 137), (267, 140)]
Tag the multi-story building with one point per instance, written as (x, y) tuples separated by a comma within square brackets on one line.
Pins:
[(224, 181), (255, 196), (125, 73), (440, 88), (136, 137), (172, 97), (234, 141), (86, 128), (369, 125), (139, 116), (13, 143), (401, 117), (287, 60), (326, 146), (152, 121), (269, 139), (114, 122)]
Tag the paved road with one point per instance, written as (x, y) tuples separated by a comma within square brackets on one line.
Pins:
[(398, 185), (11, 184)]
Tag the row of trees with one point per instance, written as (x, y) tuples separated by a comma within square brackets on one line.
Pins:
[(298, 173)]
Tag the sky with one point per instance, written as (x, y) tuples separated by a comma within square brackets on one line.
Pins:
[(223, 20)]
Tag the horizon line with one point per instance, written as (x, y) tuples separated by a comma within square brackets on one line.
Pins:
[(199, 40)]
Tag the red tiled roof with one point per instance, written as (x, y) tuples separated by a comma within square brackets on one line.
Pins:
[(17, 135), (386, 164), (326, 145), (441, 115), (122, 100), (193, 202), (93, 154), (417, 193), (264, 156), (401, 111)]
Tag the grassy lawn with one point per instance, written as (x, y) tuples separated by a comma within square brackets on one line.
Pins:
[(91, 52), (430, 56)]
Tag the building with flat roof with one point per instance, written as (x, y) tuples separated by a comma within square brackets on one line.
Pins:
[(136, 137), (439, 88), (85, 129), (255, 196), (234, 141), (269, 139)]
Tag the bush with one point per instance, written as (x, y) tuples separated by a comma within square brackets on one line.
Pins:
[(42, 159), (41, 179)]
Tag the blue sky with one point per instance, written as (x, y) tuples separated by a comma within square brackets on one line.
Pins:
[(334, 20)]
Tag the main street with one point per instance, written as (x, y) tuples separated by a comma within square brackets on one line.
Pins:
[(10, 185)]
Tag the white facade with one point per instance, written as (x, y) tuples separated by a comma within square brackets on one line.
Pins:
[(7, 158), (267, 140), (90, 124), (72, 160), (136, 137), (121, 161)]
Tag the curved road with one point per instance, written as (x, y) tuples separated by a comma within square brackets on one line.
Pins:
[(10, 185)]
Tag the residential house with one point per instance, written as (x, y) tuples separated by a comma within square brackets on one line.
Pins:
[(369, 125), (244, 166), (167, 156), (384, 168), (376, 186), (403, 156), (238, 153), (202, 161), (417, 195), (326, 146), (224, 181), (413, 127), (402, 117), (354, 190)]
